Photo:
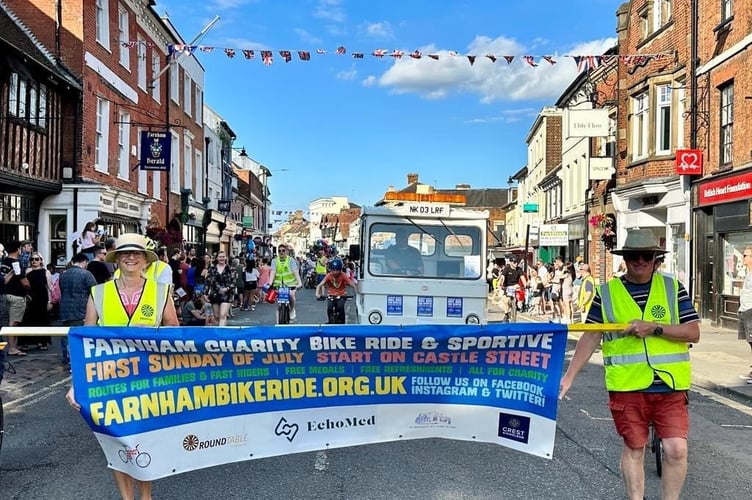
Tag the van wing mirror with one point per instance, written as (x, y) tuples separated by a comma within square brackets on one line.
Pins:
[(354, 252)]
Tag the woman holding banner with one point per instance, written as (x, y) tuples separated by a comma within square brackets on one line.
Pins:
[(120, 302)]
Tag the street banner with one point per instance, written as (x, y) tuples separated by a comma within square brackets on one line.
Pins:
[(163, 401)]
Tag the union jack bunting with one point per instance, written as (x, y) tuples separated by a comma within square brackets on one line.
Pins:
[(267, 57), (248, 54), (304, 55), (530, 60)]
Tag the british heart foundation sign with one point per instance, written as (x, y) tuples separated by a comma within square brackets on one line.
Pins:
[(689, 161), (737, 187)]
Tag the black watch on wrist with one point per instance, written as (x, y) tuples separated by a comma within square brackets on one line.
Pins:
[(658, 331)]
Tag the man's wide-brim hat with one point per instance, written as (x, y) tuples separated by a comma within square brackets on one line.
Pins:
[(130, 242), (640, 240)]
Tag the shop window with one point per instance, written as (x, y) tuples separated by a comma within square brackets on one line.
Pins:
[(678, 253), (733, 267)]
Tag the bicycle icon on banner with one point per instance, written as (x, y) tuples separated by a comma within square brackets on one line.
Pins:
[(134, 455)]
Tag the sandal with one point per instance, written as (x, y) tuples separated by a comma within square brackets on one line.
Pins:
[(17, 353)]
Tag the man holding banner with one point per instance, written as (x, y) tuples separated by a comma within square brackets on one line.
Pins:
[(129, 300), (647, 368)]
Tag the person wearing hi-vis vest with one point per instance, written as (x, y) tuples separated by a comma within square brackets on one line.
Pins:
[(586, 293), (647, 367), (129, 300), (285, 272), (159, 270)]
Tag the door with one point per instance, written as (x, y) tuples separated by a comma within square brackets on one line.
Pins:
[(706, 282)]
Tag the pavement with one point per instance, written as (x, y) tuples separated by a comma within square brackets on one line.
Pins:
[(720, 362)]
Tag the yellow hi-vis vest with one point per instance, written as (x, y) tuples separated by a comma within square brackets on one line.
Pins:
[(150, 272), (630, 361), (321, 265), (283, 275), (148, 312), (582, 301)]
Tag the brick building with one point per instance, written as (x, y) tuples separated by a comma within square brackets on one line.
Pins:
[(39, 97), (118, 51), (721, 196)]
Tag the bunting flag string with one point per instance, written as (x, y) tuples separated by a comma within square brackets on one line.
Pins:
[(584, 62)]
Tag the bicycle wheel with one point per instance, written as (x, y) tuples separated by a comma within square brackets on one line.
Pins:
[(143, 460), (284, 314), (656, 447)]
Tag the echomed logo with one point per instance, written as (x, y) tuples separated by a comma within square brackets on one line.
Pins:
[(433, 419), (658, 311), (191, 442), (514, 427), (342, 423), (289, 431)]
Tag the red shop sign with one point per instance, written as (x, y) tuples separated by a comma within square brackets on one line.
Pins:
[(689, 161), (738, 187)]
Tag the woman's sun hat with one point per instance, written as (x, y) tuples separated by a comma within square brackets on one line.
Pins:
[(130, 242), (640, 240)]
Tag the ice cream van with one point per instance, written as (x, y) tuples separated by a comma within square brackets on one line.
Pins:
[(421, 261)]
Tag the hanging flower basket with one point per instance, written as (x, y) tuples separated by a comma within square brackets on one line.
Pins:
[(606, 224), (164, 237)]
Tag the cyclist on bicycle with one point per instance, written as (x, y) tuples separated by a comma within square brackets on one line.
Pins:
[(510, 280), (285, 273), (336, 282)]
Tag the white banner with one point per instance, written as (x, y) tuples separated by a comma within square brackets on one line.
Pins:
[(554, 235)]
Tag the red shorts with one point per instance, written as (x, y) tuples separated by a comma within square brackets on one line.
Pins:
[(633, 412)]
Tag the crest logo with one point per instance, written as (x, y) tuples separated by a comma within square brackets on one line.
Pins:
[(147, 310), (155, 148)]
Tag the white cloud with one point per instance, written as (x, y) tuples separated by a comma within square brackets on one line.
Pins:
[(491, 81), (350, 74), (331, 10), (370, 81), (306, 37), (382, 30)]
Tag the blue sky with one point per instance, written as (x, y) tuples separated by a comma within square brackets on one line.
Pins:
[(352, 127)]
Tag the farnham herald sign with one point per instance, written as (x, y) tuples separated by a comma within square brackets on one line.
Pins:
[(737, 187)]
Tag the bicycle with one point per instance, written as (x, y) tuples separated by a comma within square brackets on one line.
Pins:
[(141, 458), (334, 316), (656, 447), (510, 298)]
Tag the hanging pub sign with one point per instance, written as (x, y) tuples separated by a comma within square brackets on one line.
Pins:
[(689, 161), (155, 150), (223, 205)]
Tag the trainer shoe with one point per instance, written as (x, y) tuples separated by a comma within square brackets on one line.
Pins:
[(292, 314)]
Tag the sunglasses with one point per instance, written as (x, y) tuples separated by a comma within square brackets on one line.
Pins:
[(36, 258), (635, 256), (281, 250)]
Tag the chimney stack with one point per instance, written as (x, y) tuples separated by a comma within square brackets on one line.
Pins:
[(412, 178)]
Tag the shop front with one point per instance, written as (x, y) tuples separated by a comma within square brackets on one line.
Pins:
[(659, 204), (62, 217), (722, 223)]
